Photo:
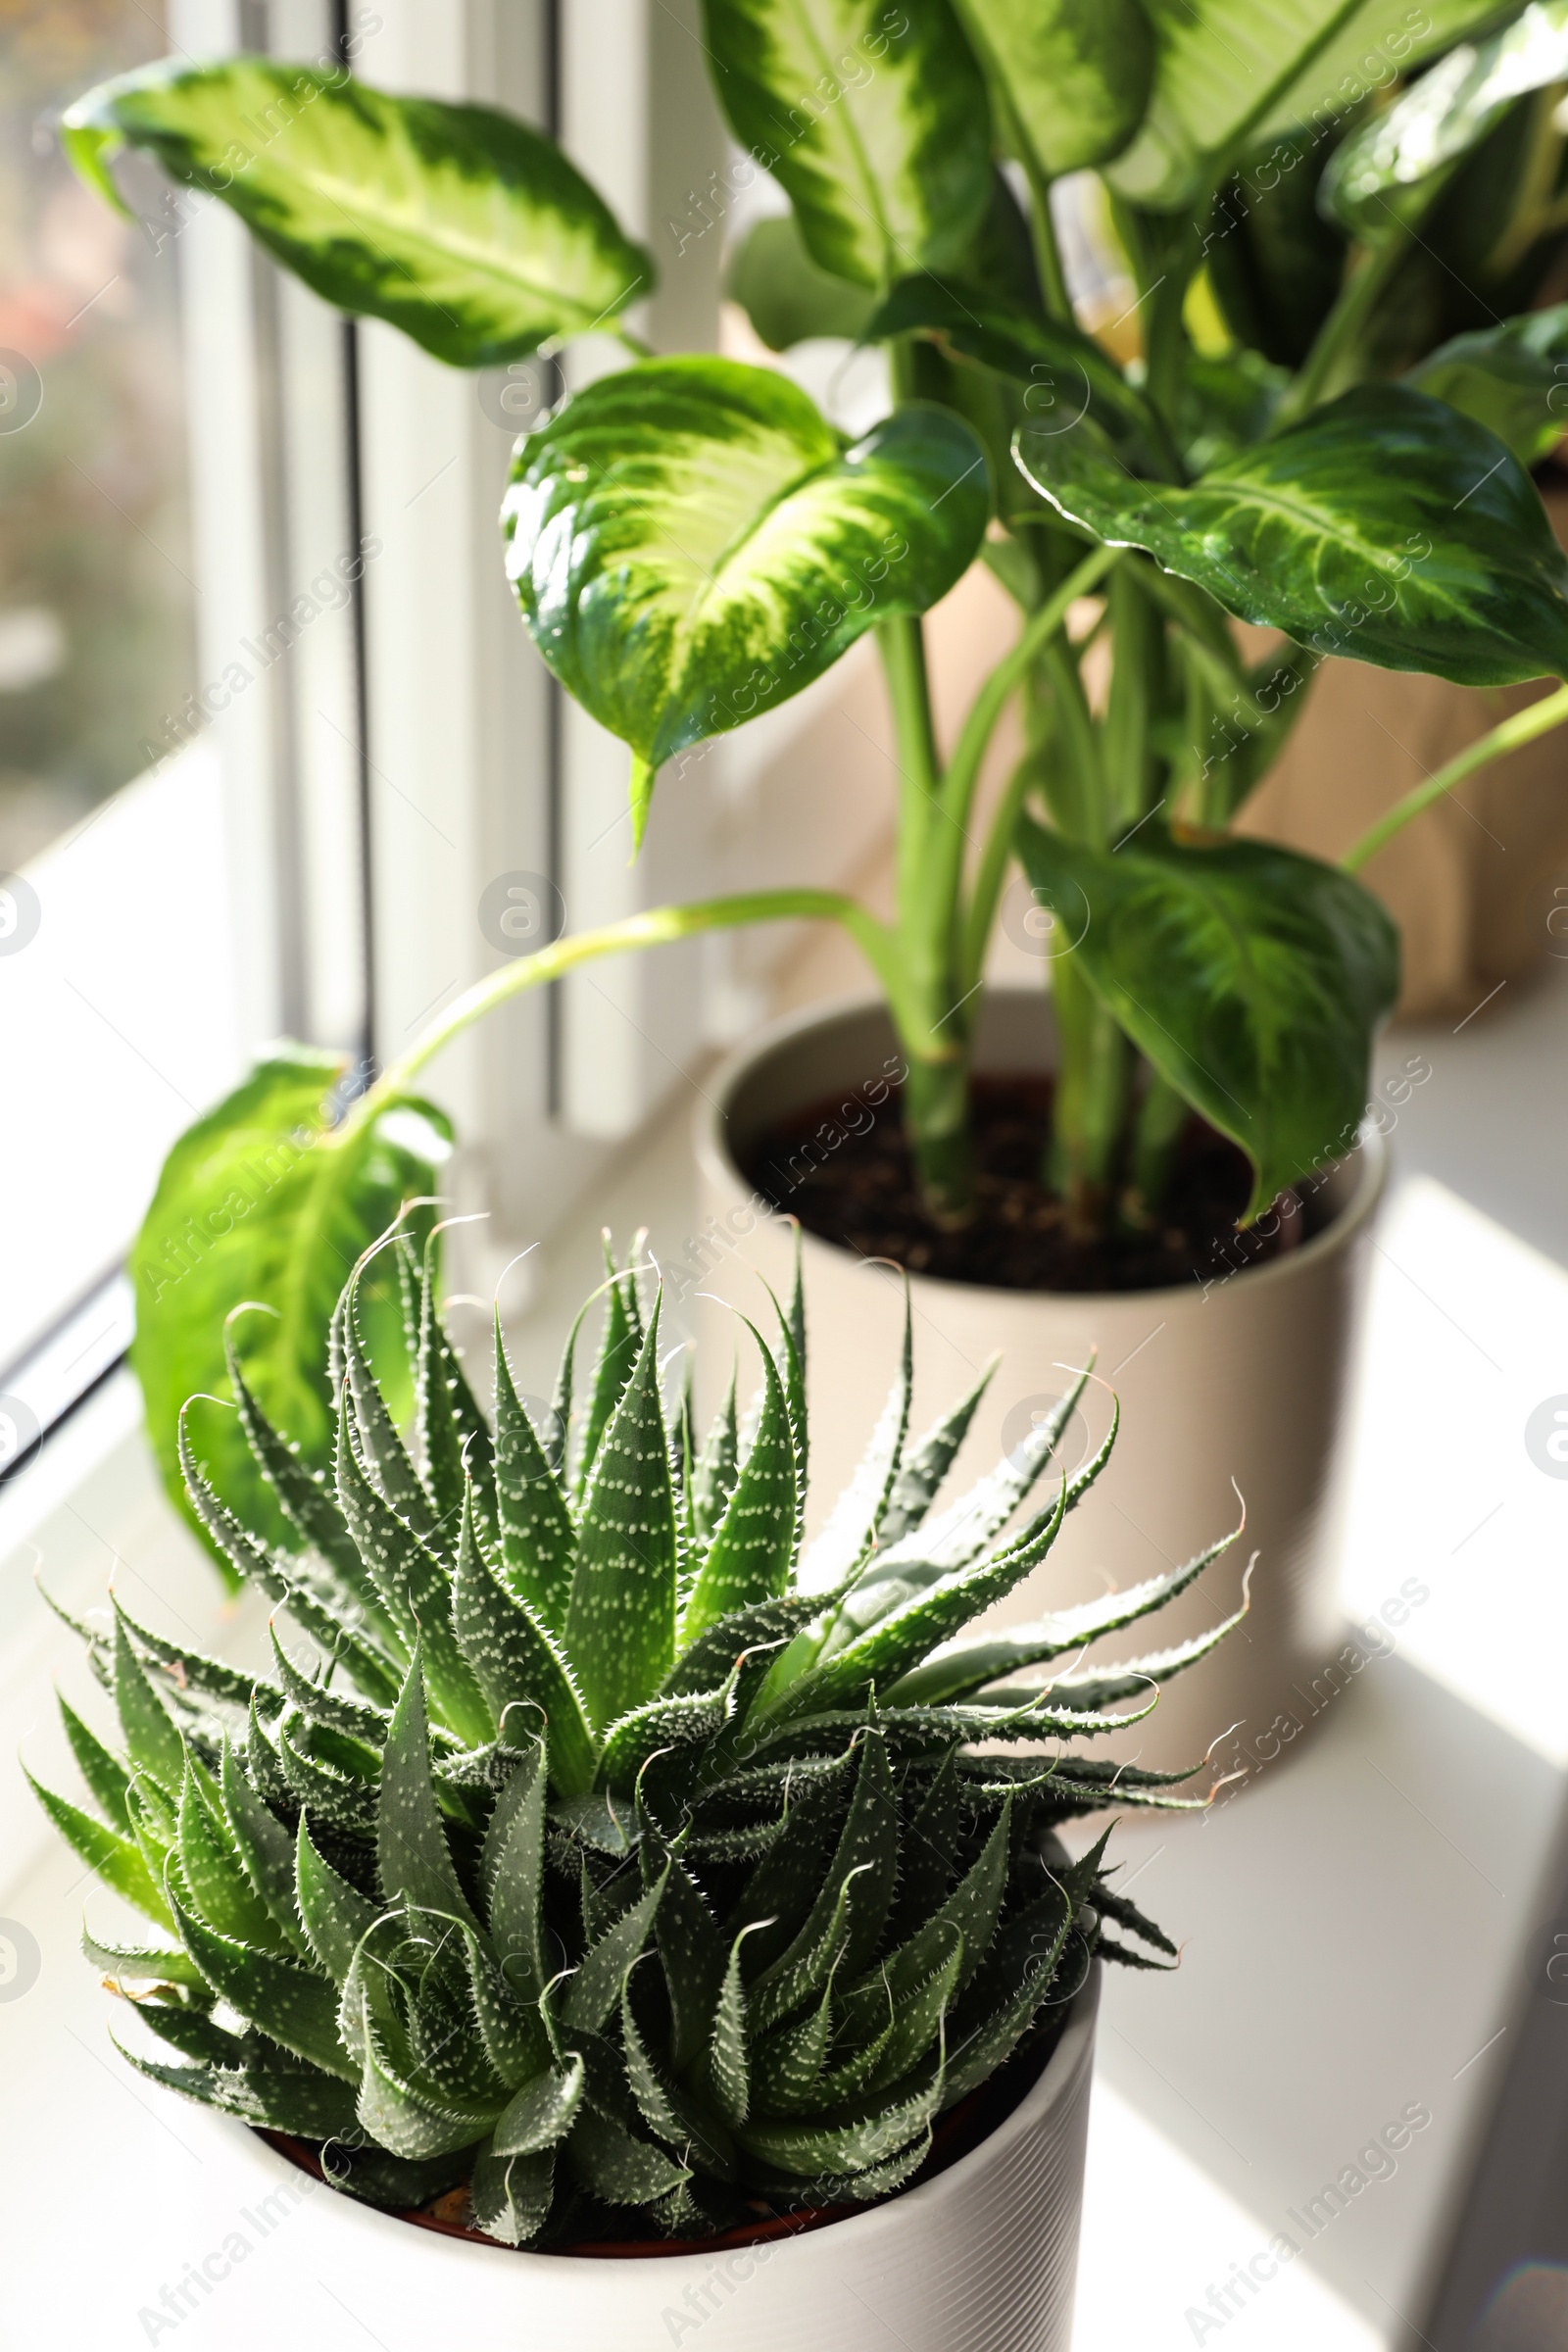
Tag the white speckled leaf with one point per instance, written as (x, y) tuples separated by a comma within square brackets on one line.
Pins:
[(621, 1626)]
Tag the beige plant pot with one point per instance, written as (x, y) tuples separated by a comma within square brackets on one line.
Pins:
[(1241, 1380)]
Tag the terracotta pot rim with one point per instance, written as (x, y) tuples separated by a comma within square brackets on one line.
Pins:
[(1046, 2084), (711, 1140)]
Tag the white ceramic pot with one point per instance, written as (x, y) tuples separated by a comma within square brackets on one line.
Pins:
[(1238, 1379), (980, 2258)]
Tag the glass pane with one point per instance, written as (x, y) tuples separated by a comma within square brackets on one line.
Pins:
[(96, 592)]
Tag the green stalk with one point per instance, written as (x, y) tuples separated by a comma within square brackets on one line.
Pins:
[(933, 1028), (1523, 727), (1344, 324), (1093, 1076), (1156, 1131), (655, 929)]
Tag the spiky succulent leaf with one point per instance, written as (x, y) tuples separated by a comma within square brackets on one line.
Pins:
[(610, 1856)]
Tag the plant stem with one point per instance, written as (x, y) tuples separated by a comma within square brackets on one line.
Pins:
[(1523, 727), (1094, 1072), (1345, 322), (933, 1027), (1161, 1116), (655, 929)]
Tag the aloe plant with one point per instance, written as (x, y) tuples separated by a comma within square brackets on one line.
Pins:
[(611, 1852), (1331, 231)]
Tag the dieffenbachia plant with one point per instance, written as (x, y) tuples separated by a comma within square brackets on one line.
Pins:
[(588, 1841), (1316, 415)]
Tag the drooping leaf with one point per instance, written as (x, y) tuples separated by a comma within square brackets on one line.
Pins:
[(873, 120), (1436, 556), (1077, 73), (463, 227), (256, 1201), (1255, 980), (691, 543), (1442, 114), (1512, 379), (787, 297)]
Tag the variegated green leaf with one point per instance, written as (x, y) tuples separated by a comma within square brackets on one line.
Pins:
[(1508, 378), (463, 227), (1227, 75), (1076, 74), (690, 542), (1442, 116), (874, 119)]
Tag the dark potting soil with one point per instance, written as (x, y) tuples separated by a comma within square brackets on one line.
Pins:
[(846, 1172)]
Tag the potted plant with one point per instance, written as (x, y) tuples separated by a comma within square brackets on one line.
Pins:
[(691, 543), (619, 1879)]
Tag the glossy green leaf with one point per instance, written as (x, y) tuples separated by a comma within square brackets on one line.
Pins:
[(152, 1737), (255, 1202), (1077, 73), (1512, 379), (462, 227), (873, 119), (786, 296), (1252, 978), (690, 543), (1443, 115), (1385, 528), (620, 1626), (212, 1870), (1228, 74)]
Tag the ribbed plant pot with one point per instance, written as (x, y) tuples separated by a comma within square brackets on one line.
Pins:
[(1238, 1378), (980, 2257)]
